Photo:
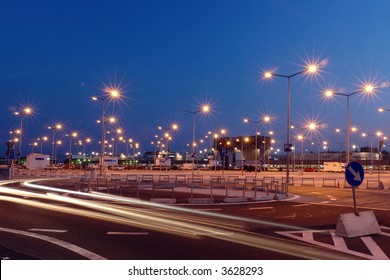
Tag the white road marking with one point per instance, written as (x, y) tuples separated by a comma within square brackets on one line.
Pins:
[(210, 209), (286, 217), (339, 243), (307, 236), (301, 205), (48, 230), (375, 250), (126, 233), (71, 247)]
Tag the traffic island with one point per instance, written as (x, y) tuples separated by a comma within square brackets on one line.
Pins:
[(235, 199), (359, 224), (200, 200)]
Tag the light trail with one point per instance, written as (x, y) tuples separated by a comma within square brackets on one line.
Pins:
[(189, 223)]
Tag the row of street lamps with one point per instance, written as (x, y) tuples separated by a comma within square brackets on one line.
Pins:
[(311, 69)]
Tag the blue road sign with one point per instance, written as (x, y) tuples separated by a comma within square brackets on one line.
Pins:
[(354, 174)]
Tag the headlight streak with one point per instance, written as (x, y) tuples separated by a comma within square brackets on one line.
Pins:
[(161, 206), (167, 223), (96, 215), (243, 238)]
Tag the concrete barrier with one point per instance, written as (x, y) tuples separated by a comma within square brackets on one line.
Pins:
[(330, 183), (308, 182), (374, 185)]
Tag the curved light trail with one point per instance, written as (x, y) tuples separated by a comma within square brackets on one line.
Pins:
[(189, 223)]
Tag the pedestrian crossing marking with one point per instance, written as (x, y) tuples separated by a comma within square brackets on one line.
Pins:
[(339, 243)]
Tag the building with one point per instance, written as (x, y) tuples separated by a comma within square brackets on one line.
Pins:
[(242, 150)]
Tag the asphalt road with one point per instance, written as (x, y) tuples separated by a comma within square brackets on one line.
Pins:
[(41, 226)]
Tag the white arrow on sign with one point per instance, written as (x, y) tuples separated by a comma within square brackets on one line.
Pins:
[(355, 174)]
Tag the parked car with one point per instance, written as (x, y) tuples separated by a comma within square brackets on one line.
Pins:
[(92, 167), (117, 168), (251, 168), (309, 169)]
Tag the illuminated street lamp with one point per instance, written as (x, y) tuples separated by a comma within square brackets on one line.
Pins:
[(301, 138), (25, 112), (204, 109), (56, 128), (87, 141), (243, 140), (43, 139), (265, 119), (111, 94), (74, 135), (310, 69), (34, 144), (366, 89), (117, 132), (59, 142)]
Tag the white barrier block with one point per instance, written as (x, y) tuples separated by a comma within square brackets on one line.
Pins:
[(350, 225)]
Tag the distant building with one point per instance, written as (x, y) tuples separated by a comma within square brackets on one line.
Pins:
[(241, 150)]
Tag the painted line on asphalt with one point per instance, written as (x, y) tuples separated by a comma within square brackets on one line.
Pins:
[(210, 209), (71, 247), (375, 250), (260, 208), (48, 230), (339, 243), (126, 233)]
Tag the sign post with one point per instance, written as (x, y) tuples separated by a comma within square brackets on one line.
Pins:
[(356, 224), (354, 175)]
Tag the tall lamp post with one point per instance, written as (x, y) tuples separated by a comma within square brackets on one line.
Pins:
[(255, 122), (367, 89), (43, 139), (204, 109), (56, 128), (111, 94), (310, 69), (25, 112), (74, 135), (265, 119)]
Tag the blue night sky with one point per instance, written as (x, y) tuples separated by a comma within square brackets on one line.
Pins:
[(172, 55)]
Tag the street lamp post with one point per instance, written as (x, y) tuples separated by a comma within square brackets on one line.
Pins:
[(44, 138), (255, 122), (301, 139), (311, 69), (243, 140), (25, 111), (265, 120), (56, 128), (111, 94), (74, 135), (204, 109), (59, 142), (368, 88)]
